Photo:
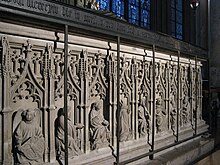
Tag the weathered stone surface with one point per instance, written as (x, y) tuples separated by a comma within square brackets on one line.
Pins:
[(99, 128), (73, 141), (29, 140), (33, 77)]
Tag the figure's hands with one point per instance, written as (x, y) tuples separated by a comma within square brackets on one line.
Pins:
[(105, 122), (79, 125)]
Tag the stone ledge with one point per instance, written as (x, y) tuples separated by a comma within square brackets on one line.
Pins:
[(182, 154)]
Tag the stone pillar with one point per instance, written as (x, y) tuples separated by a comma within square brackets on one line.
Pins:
[(86, 111), (214, 56), (1, 107), (6, 110), (7, 136), (83, 99), (112, 92), (191, 94), (51, 105), (134, 98), (133, 110), (46, 130)]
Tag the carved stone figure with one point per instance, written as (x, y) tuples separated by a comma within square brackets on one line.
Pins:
[(29, 141), (159, 115), (73, 148), (99, 127), (143, 124), (124, 125), (185, 111), (173, 112)]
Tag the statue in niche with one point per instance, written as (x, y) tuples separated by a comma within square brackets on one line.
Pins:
[(98, 127), (73, 141), (143, 120), (124, 125), (159, 114), (173, 112), (185, 111), (29, 140)]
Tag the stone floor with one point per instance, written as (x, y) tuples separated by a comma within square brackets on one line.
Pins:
[(213, 159)]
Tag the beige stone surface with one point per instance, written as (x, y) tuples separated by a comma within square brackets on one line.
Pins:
[(213, 159), (33, 77)]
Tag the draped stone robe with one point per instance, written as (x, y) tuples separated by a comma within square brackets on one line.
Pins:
[(29, 143), (73, 149)]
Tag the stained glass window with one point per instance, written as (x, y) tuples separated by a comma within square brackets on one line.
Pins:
[(133, 11), (136, 11), (118, 8), (139, 12), (145, 13), (177, 18), (104, 4)]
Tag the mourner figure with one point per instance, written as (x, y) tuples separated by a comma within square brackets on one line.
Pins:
[(73, 147), (99, 127), (29, 140)]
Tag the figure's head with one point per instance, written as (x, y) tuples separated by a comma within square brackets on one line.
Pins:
[(28, 115), (68, 112), (158, 101), (140, 108), (124, 105), (96, 106)]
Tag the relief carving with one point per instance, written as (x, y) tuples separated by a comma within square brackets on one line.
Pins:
[(143, 120), (35, 76), (160, 113), (100, 134), (124, 125), (29, 141), (173, 108), (73, 140), (184, 113)]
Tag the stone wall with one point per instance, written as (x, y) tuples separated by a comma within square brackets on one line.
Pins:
[(32, 77), (214, 48)]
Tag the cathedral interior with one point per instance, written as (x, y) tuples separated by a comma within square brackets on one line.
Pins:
[(109, 81)]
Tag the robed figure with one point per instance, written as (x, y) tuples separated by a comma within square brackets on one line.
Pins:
[(98, 127), (73, 141), (29, 140), (124, 124)]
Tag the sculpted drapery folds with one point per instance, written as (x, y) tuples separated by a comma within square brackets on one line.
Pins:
[(159, 115), (185, 112), (124, 125), (73, 148), (173, 112), (99, 127), (29, 141), (143, 120)]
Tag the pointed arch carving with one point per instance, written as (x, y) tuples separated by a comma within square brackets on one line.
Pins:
[(98, 84)]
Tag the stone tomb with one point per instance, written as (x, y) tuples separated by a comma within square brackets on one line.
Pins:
[(32, 92)]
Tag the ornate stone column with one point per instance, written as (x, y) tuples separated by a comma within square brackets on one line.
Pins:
[(112, 95), (1, 106), (51, 102), (83, 99), (134, 98), (6, 109)]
